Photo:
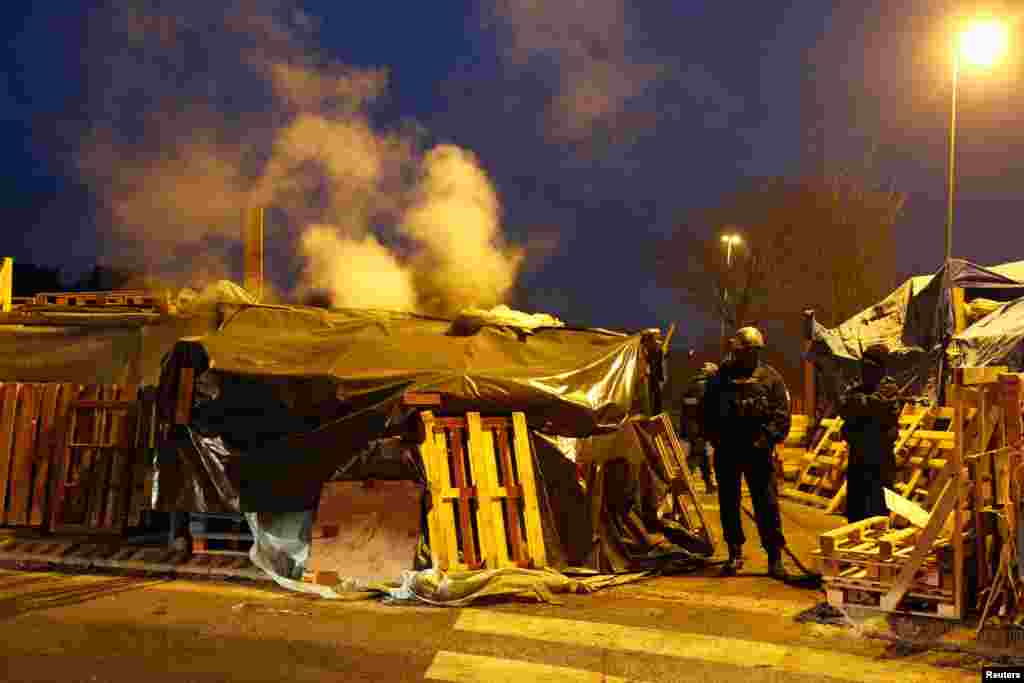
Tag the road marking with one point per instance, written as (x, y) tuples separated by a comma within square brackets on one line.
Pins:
[(688, 645), (462, 668)]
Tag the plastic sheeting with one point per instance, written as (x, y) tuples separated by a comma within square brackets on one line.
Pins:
[(916, 322), (996, 339)]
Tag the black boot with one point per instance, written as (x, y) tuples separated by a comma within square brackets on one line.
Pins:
[(735, 561), (775, 567)]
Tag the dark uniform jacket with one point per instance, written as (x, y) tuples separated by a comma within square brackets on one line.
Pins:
[(871, 423), (690, 416), (746, 410)]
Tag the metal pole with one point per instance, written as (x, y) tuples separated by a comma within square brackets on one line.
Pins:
[(952, 158)]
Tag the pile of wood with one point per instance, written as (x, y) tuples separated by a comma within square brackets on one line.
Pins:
[(925, 436), (956, 551)]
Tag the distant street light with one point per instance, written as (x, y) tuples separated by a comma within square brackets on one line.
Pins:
[(729, 240), (980, 43)]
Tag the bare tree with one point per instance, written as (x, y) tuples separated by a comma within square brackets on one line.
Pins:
[(823, 242)]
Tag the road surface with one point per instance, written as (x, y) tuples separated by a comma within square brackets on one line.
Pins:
[(60, 627)]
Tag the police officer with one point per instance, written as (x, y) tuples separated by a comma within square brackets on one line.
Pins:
[(746, 414), (870, 413), (691, 422)]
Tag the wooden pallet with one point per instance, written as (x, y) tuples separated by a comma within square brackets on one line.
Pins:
[(868, 557), (97, 486), (34, 424), (822, 468), (664, 451), (484, 508), (122, 298), (917, 603), (219, 534)]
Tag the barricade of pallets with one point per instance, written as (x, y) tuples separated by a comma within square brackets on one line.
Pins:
[(483, 494), (72, 456), (967, 520)]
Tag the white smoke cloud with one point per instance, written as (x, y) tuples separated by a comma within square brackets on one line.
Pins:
[(358, 273), (587, 40), (199, 113), (455, 220)]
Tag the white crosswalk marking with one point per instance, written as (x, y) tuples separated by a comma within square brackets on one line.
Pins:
[(686, 645), (462, 668)]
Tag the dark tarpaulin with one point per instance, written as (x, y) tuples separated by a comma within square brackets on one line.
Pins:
[(94, 348), (299, 391), (915, 321)]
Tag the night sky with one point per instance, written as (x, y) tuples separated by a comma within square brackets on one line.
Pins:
[(692, 98)]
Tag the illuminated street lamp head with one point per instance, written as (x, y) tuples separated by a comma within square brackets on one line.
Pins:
[(983, 42), (731, 239)]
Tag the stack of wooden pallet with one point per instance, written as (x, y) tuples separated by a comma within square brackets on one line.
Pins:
[(921, 569), (484, 510), (861, 561), (925, 435)]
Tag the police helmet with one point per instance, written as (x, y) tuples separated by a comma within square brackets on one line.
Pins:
[(748, 338)]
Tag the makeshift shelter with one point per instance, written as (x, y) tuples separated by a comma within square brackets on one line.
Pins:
[(918, 321), (285, 398)]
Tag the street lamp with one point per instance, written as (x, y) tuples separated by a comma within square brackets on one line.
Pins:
[(980, 43), (730, 240)]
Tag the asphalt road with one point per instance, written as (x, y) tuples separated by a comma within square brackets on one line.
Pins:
[(60, 627)]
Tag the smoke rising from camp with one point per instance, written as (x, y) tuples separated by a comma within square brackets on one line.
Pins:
[(199, 111), (587, 40)]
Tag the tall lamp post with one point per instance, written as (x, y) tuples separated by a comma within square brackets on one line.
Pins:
[(979, 43), (730, 240)]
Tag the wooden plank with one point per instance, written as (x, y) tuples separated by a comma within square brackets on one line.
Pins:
[(99, 473), (47, 449), (957, 461), (466, 494), (8, 414), (123, 431), (438, 553), (6, 284), (829, 540), (531, 513), (60, 466), (513, 512), (490, 516), (945, 504), (25, 433)]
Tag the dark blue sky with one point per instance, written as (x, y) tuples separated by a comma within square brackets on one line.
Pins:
[(726, 91)]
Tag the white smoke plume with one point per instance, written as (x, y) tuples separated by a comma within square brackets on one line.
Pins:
[(455, 222), (199, 112), (588, 41), (357, 273)]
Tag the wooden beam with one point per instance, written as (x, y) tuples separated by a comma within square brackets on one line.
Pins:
[(959, 309), (252, 234), (6, 284), (906, 576)]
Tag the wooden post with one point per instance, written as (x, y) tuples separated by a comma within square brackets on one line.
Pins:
[(957, 456), (252, 237), (956, 295), (810, 398), (6, 284)]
